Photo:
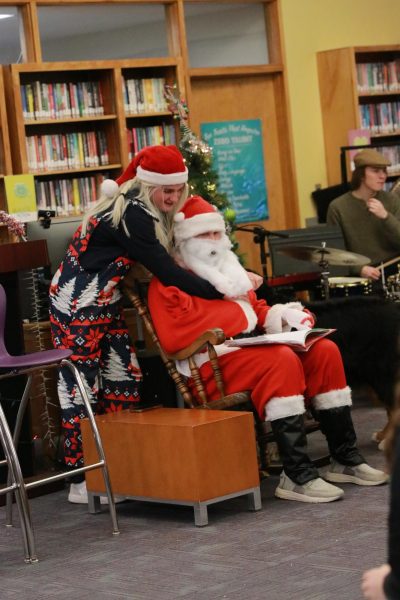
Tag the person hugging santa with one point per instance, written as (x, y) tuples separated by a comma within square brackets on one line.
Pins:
[(281, 381)]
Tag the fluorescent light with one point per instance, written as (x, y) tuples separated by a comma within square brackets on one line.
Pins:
[(3, 16)]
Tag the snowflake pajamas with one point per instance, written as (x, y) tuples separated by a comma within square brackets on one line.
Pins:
[(85, 317)]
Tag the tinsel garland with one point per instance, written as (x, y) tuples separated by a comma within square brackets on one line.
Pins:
[(13, 225)]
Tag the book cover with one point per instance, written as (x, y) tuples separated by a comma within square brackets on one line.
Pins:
[(300, 341), (357, 137), (21, 197)]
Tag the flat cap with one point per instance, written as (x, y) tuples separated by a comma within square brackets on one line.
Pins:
[(370, 158)]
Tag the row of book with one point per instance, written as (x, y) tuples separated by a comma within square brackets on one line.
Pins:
[(68, 196), (144, 95), (378, 76), (67, 151), (62, 100), (382, 117), (392, 153), (139, 137)]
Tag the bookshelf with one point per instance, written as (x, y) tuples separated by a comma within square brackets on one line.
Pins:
[(5, 156), (360, 89), (73, 124)]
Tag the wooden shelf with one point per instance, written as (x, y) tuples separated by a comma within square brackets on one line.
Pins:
[(152, 115), (36, 122), (76, 171), (341, 99), (377, 94), (5, 151), (201, 72)]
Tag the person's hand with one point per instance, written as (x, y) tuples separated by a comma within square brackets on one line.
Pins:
[(370, 273), (298, 319), (376, 208), (256, 280), (372, 583)]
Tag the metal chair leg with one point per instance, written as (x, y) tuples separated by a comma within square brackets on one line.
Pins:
[(98, 442), (15, 437), (20, 491)]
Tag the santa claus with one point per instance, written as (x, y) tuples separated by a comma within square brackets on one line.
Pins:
[(280, 380)]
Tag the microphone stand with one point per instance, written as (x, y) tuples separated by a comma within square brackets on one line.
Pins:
[(260, 235)]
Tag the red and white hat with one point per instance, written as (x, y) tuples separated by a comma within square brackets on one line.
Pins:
[(157, 165), (197, 216)]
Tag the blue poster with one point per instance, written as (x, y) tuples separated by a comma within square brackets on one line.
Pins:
[(238, 159)]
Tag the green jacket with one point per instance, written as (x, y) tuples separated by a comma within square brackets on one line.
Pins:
[(378, 239)]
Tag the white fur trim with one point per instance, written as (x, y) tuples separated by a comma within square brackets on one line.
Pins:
[(109, 188), (203, 223), (162, 178), (273, 321), (249, 314), (284, 406), (333, 399)]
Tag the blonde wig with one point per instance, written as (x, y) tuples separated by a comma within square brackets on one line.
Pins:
[(114, 209)]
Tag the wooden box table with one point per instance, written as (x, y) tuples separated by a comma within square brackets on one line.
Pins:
[(176, 455)]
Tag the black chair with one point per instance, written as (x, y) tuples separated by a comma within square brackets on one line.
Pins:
[(323, 197)]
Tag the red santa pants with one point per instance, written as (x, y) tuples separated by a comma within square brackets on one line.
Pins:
[(276, 373)]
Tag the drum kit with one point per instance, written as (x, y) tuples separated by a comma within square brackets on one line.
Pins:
[(344, 286)]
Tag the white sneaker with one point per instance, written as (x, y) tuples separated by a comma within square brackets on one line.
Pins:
[(78, 495), (314, 491), (360, 475)]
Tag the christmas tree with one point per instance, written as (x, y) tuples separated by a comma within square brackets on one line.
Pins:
[(203, 178)]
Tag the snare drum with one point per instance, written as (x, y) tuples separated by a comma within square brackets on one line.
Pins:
[(342, 287)]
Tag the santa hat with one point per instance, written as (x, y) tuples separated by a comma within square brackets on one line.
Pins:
[(157, 165), (196, 216)]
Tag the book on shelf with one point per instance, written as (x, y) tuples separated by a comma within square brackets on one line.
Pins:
[(357, 137), (381, 117), (300, 341), (378, 77), (144, 95), (61, 100), (21, 197)]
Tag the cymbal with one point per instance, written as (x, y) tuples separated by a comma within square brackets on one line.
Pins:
[(332, 256)]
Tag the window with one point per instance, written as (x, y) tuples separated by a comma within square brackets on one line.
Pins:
[(223, 35), (10, 43), (102, 31)]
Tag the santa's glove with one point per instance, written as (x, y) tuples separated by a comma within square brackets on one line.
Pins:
[(297, 319)]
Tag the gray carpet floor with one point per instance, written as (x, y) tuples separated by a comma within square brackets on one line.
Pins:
[(288, 550)]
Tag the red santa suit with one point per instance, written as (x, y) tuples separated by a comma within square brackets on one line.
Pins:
[(278, 378)]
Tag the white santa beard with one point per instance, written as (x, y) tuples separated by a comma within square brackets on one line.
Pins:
[(211, 252), (213, 260)]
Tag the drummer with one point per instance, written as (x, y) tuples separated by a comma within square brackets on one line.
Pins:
[(368, 216)]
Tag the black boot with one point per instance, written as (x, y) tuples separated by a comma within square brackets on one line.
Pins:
[(337, 426), (291, 440)]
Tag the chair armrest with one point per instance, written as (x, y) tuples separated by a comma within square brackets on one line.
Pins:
[(137, 274), (210, 336)]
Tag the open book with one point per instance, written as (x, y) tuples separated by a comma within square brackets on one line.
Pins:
[(300, 341)]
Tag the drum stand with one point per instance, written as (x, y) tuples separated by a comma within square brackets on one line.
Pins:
[(323, 263), (385, 288), (260, 236), (325, 278)]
